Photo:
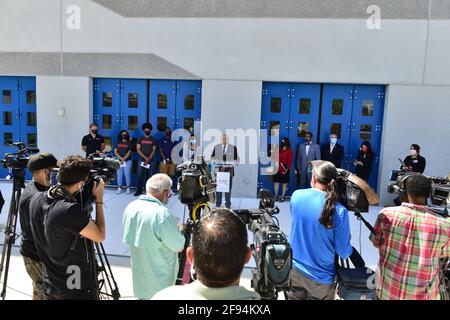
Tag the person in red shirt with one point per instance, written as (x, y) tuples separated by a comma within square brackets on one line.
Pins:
[(283, 161)]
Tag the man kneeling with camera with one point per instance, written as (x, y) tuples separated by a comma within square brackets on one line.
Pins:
[(61, 228), (219, 252), (411, 240)]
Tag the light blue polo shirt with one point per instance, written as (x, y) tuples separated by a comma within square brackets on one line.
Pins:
[(151, 232)]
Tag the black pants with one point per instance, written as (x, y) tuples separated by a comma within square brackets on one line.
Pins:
[(227, 196), (143, 176)]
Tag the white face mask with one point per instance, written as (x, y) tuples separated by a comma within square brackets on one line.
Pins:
[(333, 140), (413, 152)]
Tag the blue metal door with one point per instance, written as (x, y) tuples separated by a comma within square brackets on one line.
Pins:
[(10, 115), (337, 104), (107, 108), (188, 104), (133, 113), (120, 105), (162, 105), (303, 118), (18, 115), (274, 125), (27, 113), (367, 119)]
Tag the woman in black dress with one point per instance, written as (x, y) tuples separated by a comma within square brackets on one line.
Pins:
[(364, 161)]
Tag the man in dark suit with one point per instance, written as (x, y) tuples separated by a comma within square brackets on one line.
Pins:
[(224, 154), (333, 151), (306, 152)]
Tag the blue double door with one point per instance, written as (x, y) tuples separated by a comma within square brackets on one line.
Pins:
[(125, 104), (17, 114), (289, 110), (353, 112)]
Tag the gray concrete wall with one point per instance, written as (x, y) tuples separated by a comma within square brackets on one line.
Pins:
[(233, 49), (415, 114), (61, 134), (234, 105)]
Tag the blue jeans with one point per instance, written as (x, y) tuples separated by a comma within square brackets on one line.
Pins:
[(124, 171), (143, 176)]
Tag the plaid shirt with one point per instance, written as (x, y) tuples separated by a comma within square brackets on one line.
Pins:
[(411, 241)]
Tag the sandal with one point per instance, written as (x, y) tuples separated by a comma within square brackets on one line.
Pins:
[(283, 199)]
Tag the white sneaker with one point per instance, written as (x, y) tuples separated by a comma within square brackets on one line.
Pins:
[(119, 190), (128, 191)]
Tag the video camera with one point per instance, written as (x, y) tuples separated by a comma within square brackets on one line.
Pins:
[(271, 249), (354, 193), (195, 182), (103, 168), (440, 190), (19, 159)]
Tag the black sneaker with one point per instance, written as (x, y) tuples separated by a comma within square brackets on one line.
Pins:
[(137, 194)]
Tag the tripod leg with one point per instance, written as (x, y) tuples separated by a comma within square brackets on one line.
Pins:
[(105, 267), (10, 239)]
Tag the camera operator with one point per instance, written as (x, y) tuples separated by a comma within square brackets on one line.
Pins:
[(320, 230), (40, 166), (57, 222), (411, 239), (151, 231), (218, 253)]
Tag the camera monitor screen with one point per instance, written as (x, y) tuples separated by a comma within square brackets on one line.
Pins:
[(394, 175)]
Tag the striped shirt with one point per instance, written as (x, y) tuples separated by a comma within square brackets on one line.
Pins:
[(411, 241)]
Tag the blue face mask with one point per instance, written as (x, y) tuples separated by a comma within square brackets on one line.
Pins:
[(333, 140)]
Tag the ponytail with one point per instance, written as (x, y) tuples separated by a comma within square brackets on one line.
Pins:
[(325, 173), (326, 218)]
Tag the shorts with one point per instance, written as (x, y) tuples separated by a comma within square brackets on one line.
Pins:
[(34, 270), (168, 169)]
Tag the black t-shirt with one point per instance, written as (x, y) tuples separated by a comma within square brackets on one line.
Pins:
[(27, 246), (92, 144), (415, 165), (123, 148), (147, 144), (56, 224)]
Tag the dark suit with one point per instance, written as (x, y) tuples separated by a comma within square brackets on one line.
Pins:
[(230, 155), (336, 156)]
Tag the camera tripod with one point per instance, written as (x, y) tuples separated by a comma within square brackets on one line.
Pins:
[(107, 286), (18, 175), (195, 213)]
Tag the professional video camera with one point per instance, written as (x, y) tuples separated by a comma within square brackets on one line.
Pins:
[(197, 189), (16, 162), (195, 182), (18, 159), (440, 190), (271, 249)]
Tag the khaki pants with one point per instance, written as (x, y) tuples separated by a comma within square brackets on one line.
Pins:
[(168, 169), (303, 288), (34, 270)]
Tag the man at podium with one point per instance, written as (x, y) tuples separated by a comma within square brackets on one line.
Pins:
[(224, 157)]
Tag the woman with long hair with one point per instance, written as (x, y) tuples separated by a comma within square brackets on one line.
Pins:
[(364, 161), (320, 229), (283, 162), (123, 152)]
